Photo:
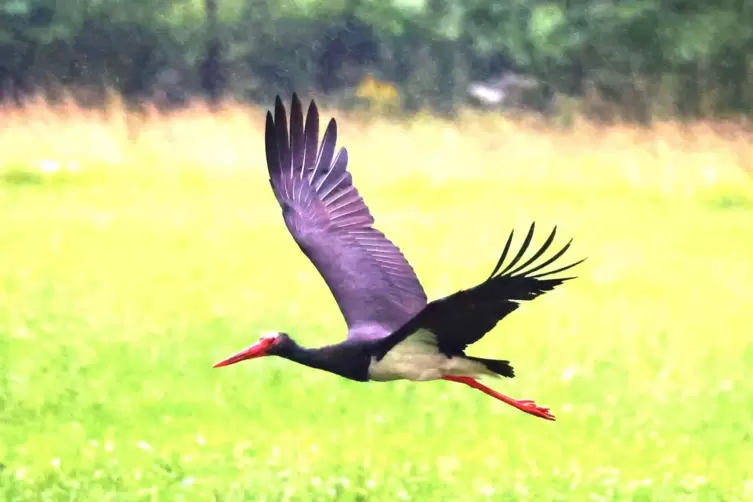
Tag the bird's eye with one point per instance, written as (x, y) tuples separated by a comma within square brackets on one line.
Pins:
[(269, 340)]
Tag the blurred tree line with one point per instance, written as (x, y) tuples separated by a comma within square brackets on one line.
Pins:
[(627, 59)]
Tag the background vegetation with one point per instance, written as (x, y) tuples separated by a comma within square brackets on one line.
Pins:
[(633, 60), (138, 246), (138, 250)]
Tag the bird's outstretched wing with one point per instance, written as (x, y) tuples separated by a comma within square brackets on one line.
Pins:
[(464, 317), (374, 285)]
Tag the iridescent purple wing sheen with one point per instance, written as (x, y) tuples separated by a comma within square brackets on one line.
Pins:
[(375, 287)]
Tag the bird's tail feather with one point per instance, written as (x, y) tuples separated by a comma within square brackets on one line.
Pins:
[(496, 366)]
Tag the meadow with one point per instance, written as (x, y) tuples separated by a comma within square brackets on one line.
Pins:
[(136, 252)]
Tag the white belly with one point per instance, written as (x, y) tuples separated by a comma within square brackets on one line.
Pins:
[(417, 358)]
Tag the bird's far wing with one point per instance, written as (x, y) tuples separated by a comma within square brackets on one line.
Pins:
[(464, 317), (372, 282)]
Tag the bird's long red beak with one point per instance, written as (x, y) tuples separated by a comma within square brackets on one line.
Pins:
[(258, 349)]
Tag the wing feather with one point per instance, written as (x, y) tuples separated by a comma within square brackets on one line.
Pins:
[(464, 317), (374, 285)]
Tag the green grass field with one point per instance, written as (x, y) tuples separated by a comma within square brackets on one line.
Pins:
[(124, 280)]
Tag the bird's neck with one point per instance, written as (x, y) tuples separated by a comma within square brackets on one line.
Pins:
[(313, 357), (341, 359)]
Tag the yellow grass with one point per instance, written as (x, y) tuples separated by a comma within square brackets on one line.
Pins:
[(671, 158)]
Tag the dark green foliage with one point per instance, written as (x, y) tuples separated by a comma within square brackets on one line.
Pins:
[(732, 202), (641, 58)]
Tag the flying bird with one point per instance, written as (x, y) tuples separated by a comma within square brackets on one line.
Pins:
[(393, 332)]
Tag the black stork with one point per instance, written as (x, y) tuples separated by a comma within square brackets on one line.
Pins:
[(393, 333)]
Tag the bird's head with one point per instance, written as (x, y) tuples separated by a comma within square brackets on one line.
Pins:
[(269, 344)]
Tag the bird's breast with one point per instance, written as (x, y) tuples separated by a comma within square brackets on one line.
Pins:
[(418, 358), (423, 367), (416, 367)]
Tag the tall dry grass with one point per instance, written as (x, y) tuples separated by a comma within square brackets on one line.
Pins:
[(231, 137)]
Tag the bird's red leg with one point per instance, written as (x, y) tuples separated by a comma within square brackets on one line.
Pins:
[(523, 405)]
